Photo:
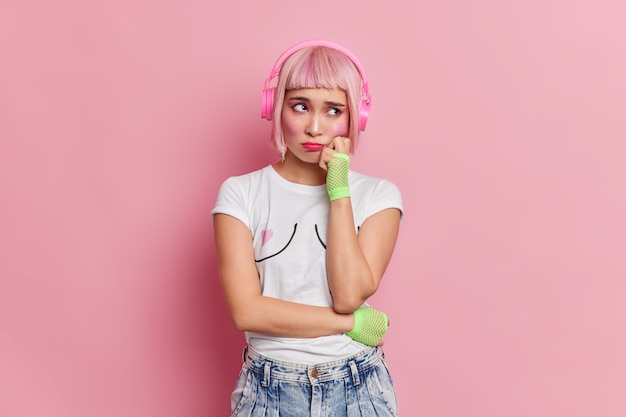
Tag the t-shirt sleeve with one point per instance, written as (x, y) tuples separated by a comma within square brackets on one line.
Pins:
[(231, 200), (384, 195)]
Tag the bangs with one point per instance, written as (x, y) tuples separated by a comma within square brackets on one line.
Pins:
[(319, 68)]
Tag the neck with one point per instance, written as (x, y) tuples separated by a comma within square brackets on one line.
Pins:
[(295, 170)]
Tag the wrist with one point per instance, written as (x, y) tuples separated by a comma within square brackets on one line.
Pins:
[(340, 202), (346, 323), (337, 176)]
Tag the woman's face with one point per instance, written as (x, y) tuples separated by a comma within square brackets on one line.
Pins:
[(311, 118)]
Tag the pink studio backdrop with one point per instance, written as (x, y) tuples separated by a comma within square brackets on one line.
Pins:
[(502, 122)]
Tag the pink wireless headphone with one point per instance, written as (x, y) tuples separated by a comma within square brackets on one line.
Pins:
[(269, 92)]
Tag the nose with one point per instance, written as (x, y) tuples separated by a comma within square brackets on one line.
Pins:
[(313, 127)]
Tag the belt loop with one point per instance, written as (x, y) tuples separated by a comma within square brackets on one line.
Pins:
[(266, 374), (355, 373)]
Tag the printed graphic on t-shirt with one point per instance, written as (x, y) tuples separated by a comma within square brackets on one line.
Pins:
[(268, 234)]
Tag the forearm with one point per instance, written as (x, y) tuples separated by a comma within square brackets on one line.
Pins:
[(249, 309), (275, 317), (349, 276)]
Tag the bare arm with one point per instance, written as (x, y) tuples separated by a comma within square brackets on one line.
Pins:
[(249, 309), (355, 263)]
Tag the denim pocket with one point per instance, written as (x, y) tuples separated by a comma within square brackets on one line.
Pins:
[(243, 391), (384, 392)]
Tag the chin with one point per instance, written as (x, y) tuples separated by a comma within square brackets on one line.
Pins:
[(309, 158)]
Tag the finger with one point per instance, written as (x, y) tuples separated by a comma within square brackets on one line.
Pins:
[(326, 155), (341, 144)]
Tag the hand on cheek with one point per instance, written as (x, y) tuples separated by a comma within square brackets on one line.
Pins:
[(339, 144)]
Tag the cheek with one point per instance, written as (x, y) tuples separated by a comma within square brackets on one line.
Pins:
[(340, 128), (291, 127)]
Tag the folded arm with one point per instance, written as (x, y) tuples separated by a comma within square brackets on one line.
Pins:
[(249, 309), (356, 263)]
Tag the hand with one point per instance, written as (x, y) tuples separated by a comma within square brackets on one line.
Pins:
[(339, 144), (370, 325)]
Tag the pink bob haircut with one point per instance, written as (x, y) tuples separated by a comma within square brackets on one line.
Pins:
[(318, 67)]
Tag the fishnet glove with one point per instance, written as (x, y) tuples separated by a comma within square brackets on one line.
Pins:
[(337, 176), (370, 325)]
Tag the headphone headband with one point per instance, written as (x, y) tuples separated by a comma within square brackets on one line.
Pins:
[(319, 42)]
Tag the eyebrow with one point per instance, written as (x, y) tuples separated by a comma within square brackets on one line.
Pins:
[(329, 103)]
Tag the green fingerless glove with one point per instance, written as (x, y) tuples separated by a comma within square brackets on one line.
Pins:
[(369, 326), (337, 176)]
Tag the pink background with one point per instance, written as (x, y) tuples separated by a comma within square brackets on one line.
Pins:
[(503, 122)]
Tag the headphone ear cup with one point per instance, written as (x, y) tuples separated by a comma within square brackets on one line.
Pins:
[(364, 111), (267, 106)]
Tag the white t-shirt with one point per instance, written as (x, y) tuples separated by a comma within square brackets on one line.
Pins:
[(288, 223)]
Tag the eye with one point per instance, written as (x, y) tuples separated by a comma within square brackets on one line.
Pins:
[(300, 107), (334, 111)]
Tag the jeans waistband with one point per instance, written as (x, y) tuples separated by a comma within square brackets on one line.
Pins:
[(269, 368)]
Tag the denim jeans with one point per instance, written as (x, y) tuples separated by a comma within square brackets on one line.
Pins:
[(356, 386)]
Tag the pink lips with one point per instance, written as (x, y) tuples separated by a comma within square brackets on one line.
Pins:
[(311, 146)]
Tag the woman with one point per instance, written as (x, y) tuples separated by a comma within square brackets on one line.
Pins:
[(303, 243)]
